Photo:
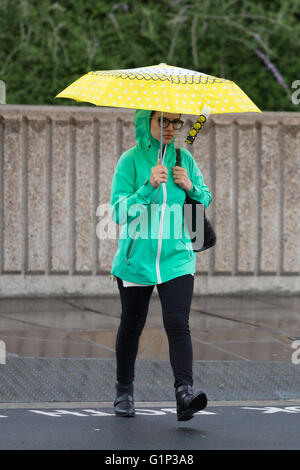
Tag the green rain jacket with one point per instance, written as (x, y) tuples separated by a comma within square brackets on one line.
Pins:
[(154, 245)]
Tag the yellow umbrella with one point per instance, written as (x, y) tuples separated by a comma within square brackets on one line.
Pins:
[(161, 88)]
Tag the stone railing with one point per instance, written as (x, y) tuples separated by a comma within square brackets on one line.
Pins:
[(57, 165)]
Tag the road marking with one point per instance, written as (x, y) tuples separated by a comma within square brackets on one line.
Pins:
[(273, 409), (90, 412), (145, 404)]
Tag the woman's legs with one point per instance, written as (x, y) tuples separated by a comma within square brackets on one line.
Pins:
[(176, 298), (135, 303)]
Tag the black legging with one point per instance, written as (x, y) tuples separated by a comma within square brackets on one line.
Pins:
[(176, 298)]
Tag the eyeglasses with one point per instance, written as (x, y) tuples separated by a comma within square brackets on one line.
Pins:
[(176, 123)]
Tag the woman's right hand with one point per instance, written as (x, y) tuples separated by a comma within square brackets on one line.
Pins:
[(159, 174)]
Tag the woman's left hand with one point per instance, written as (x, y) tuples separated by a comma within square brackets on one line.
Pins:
[(181, 178)]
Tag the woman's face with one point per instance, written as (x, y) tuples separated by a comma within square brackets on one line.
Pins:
[(169, 132)]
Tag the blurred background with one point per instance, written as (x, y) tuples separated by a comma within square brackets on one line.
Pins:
[(46, 45)]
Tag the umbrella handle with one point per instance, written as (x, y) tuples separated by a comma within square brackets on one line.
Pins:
[(161, 136)]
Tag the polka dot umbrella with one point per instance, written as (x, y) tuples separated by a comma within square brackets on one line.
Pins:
[(161, 88)]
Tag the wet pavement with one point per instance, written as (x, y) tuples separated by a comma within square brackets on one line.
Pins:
[(154, 427), (238, 328), (57, 382)]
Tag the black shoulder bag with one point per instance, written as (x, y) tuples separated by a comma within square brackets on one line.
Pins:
[(210, 238)]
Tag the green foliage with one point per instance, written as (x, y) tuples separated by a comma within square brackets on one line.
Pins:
[(46, 45)]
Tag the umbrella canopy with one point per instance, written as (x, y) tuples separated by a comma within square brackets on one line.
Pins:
[(161, 88)]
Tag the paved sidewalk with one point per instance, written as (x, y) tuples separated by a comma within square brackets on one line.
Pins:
[(237, 328), (62, 349), (57, 385)]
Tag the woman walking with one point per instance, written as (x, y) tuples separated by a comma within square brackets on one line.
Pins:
[(143, 191)]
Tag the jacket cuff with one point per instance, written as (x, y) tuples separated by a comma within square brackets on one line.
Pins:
[(196, 195), (145, 191), (190, 193)]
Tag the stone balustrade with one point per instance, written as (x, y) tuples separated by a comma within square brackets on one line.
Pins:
[(57, 164)]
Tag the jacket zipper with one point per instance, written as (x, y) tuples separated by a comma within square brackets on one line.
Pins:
[(161, 226)]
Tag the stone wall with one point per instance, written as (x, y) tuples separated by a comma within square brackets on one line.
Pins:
[(57, 164)]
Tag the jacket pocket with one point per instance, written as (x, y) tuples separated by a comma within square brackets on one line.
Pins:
[(129, 251)]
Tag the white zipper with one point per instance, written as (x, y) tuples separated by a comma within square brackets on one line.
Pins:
[(161, 226)]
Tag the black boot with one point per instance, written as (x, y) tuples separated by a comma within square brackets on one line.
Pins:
[(123, 404), (188, 403)]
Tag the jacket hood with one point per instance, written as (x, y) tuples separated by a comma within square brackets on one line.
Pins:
[(143, 136)]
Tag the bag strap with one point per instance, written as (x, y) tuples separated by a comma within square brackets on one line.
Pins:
[(178, 157)]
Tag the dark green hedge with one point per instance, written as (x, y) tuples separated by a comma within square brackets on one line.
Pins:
[(46, 45)]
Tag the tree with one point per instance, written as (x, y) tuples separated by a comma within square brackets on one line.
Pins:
[(46, 45)]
